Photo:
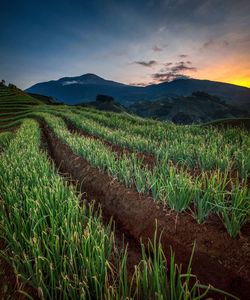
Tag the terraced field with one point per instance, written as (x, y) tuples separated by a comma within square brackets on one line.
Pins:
[(171, 210), (14, 106)]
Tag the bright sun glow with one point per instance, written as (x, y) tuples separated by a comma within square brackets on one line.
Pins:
[(243, 82)]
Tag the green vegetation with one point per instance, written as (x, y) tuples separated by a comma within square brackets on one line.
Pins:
[(62, 248), (237, 122), (197, 108), (212, 191), (189, 146), (5, 138), (14, 106), (205, 166)]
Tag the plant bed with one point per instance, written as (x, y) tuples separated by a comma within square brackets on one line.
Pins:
[(147, 159), (219, 260)]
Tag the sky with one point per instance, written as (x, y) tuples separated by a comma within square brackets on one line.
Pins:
[(136, 42)]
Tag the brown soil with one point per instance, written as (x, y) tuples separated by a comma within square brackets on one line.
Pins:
[(219, 260), (11, 128), (147, 159), (7, 277), (10, 286), (150, 161), (121, 237), (2, 118)]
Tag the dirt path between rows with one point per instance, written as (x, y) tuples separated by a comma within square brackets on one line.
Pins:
[(219, 260), (147, 159), (10, 286), (121, 238)]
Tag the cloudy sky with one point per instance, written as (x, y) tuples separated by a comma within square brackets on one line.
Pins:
[(135, 42)]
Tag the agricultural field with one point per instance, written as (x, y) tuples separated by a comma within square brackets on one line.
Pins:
[(101, 205)]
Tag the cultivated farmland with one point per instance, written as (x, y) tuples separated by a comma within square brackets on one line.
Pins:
[(100, 205)]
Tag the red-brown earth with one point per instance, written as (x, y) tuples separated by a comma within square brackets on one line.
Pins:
[(219, 260)]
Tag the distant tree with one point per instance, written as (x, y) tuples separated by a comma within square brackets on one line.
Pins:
[(104, 99), (182, 118), (12, 86), (200, 94), (2, 82), (206, 96)]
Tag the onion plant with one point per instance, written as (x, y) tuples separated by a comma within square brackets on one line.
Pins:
[(5, 138), (190, 146), (62, 248), (169, 183)]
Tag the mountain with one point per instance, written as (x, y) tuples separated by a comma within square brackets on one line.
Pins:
[(80, 89), (45, 99), (105, 103), (233, 94), (85, 88), (200, 107), (87, 79)]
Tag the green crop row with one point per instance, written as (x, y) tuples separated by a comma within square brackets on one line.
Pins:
[(208, 147), (189, 146), (61, 248), (11, 124), (210, 192), (122, 120), (14, 118), (5, 138), (44, 225)]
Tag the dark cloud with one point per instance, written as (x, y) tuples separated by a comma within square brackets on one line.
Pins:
[(182, 67), (174, 71), (208, 43), (157, 49), (138, 84), (183, 55), (168, 76), (211, 43), (149, 63)]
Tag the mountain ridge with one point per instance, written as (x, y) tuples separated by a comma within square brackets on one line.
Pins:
[(88, 78), (84, 88)]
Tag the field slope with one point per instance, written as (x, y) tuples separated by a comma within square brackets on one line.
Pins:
[(166, 188)]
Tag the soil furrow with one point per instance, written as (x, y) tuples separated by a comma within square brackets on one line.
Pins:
[(218, 260), (10, 285), (147, 159), (122, 238)]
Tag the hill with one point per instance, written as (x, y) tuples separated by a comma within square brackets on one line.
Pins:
[(85, 88), (105, 103), (198, 108), (236, 122), (133, 168), (44, 99), (14, 105)]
